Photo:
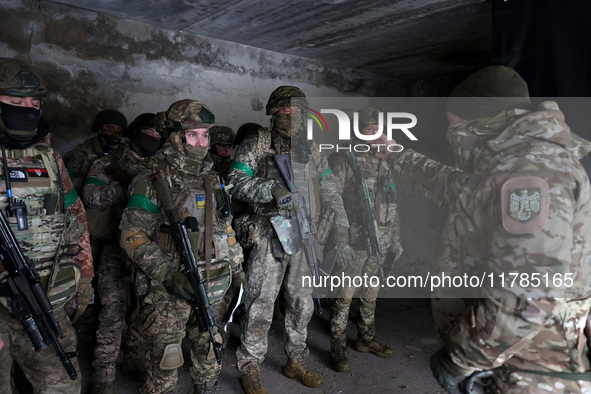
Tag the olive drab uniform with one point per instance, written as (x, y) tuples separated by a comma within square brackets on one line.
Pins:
[(275, 259), (382, 194), (533, 342), (105, 192), (165, 318), (56, 244)]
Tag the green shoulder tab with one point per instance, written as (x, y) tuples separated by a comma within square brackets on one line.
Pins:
[(328, 171), (72, 173), (141, 201), (70, 198), (94, 181), (242, 167)]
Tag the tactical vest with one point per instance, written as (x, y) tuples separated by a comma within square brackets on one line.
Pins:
[(36, 180), (190, 198), (283, 223)]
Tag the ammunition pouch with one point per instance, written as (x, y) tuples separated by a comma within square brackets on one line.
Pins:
[(220, 278), (98, 221)]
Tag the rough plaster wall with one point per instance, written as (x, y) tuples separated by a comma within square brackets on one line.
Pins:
[(92, 61)]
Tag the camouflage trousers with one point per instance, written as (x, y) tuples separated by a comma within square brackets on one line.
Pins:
[(43, 369), (164, 320), (339, 318), (265, 277), (113, 290)]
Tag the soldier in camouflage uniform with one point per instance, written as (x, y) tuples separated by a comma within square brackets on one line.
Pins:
[(110, 125), (222, 142), (257, 180), (165, 313), (531, 340), (106, 189), (56, 242), (382, 194)]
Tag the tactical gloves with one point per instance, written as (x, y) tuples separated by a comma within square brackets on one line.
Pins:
[(282, 197), (178, 284), (239, 279)]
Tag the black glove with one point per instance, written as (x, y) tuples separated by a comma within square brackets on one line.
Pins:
[(450, 382), (282, 197), (178, 285)]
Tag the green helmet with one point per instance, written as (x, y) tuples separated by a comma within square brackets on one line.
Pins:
[(19, 79), (109, 116), (221, 135), (191, 114), (282, 97), (368, 116)]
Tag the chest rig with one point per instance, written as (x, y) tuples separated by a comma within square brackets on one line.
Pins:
[(48, 239), (284, 225), (198, 201)]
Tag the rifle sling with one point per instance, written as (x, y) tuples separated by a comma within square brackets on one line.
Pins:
[(208, 224), (378, 202)]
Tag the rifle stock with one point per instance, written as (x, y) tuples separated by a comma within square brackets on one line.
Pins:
[(284, 164)]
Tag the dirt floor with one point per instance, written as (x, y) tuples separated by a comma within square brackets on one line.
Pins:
[(405, 324)]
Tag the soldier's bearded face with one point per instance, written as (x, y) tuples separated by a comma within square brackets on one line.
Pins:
[(199, 138)]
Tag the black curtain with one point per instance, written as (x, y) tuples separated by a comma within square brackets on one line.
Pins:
[(548, 42)]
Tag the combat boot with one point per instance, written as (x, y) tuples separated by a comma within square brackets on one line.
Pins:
[(251, 382), (205, 388), (338, 358), (299, 369), (374, 347), (102, 388)]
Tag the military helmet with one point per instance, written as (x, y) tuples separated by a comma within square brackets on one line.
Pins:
[(221, 135), (191, 114), (109, 116), (368, 116), (285, 96), (19, 79)]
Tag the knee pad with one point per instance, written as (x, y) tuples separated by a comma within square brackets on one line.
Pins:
[(172, 357)]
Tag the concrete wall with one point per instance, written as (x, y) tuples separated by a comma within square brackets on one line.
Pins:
[(93, 61)]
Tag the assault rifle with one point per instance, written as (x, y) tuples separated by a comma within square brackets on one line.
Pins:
[(305, 229), (367, 213), (29, 304), (200, 304)]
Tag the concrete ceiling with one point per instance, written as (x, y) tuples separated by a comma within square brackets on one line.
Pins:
[(411, 39)]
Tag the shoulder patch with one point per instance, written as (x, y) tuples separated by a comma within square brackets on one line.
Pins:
[(524, 201)]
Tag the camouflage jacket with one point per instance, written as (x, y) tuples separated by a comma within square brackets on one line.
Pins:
[(522, 206), (249, 183), (142, 237), (109, 178), (81, 158), (43, 242), (376, 173)]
